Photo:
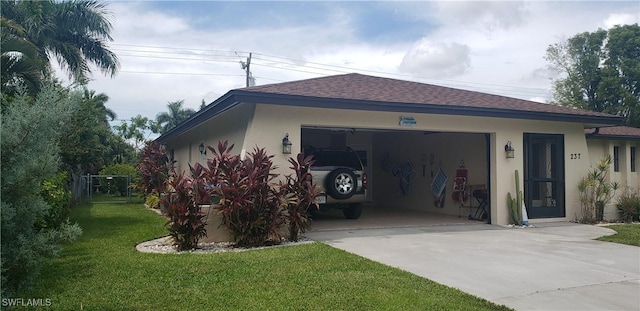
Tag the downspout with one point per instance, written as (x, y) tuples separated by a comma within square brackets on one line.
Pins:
[(595, 133)]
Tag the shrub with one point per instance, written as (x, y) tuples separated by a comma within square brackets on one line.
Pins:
[(153, 169), (628, 204), (300, 194), (186, 222), (252, 207), (118, 184), (30, 155), (595, 191), (55, 192), (152, 201)]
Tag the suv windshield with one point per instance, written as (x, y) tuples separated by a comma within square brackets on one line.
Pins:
[(336, 158)]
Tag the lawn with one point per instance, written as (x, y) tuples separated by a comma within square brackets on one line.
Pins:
[(103, 271), (626, 234)]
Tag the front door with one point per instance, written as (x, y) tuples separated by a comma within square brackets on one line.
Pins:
[(544, 175)]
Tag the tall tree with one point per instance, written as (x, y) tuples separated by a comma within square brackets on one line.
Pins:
[(19, 60), (175, 115), (137, 130), (73, 32), (600, 71), (99, 100), (88, 143)]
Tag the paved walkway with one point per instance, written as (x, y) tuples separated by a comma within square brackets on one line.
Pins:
[(551, 267)]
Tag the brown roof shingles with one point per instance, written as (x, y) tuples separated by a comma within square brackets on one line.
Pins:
[(358, 91), (615, 131), (368, 88)]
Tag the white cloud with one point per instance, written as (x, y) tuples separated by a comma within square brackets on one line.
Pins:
[(538, 99), (133, 19), (495, 47), (620, 19), (436, 59), (490, 15)]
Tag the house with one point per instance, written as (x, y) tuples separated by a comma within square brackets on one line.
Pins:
[(409, 134), (621, 143)]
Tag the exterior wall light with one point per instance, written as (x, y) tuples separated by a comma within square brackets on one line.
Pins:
[(286, 144), (509, 150), (203, 151)]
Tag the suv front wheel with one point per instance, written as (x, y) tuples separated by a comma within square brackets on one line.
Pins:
[(341, 183)]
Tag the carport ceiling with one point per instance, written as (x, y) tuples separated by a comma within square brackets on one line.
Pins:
[(356, 129)]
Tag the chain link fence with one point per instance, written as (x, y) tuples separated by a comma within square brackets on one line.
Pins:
[(101, 188)]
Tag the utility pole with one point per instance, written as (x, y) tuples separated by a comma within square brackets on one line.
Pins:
[(247, 67)]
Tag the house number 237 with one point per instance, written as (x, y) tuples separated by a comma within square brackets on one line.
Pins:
[(575, 156)]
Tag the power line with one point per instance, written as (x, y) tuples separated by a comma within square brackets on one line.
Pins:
[(179, 58), (290, 69), (279, 62), (142, 52), (382, 72), (183, 73), (490, 88), (182, 49)]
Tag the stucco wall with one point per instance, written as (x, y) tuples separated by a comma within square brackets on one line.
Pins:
[(231, 126), (628, 180), (272, 122)]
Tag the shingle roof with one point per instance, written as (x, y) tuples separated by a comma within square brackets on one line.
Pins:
[(362, 92), (614, 132), (369, 88)]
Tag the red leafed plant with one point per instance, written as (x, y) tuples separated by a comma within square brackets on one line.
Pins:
[(186, 221), (300, 193), (154, 168), (251, 205)]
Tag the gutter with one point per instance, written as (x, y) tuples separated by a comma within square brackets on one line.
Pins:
[(595, 133), (235, 97)]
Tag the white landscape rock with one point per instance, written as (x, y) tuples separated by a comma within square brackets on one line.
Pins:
[(163, 246)]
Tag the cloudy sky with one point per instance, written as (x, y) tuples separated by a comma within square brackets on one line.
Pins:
[(191, 50)]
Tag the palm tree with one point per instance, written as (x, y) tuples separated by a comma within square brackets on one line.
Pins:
[(19, 59), (176, 114), (99, 101), (73, 32)]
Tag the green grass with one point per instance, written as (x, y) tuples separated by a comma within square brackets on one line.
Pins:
[(103, 271), (627, 234), (102, 198)]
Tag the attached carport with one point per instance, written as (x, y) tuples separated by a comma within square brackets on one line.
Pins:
[(376, 216), (401, 122), (401, 166)]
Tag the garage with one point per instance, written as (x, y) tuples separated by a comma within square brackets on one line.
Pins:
[(425, 148), (403, 167)]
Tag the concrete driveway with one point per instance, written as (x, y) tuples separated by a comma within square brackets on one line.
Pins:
[(551, 267)]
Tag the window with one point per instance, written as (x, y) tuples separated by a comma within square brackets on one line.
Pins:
[(616, 158), (336, 158), (633, 158)]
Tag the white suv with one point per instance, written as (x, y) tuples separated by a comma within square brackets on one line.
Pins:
[(341, 180)]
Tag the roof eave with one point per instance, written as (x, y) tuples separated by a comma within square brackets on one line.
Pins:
[(612, 137), (220, 105), (336, 103), (234, 97)]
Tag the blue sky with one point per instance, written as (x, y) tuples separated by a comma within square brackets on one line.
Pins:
[(381, 22), (191, 50)]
